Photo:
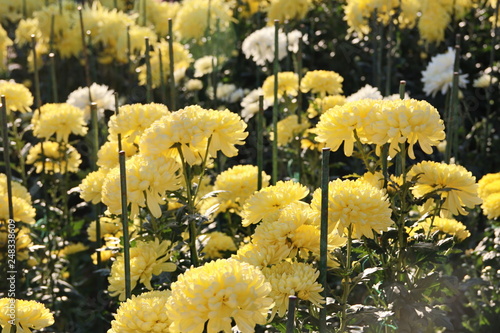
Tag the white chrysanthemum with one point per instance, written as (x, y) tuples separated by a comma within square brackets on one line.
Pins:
[(204, 65), (438, 76), (250, 104), (227, 92), (100, 94), (259, 45), (367, 92), (293, 40)]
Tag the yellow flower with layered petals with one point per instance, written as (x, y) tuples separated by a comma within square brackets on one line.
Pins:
[(107, 156), (23, 211), (237, 184), (284, 10), (217, 293), (133, 119), (338, 125), (356, 204), (54, 157), (227, 131), (59, 119), (320, 105), (262, 256), (289, 128), (288, 84), (91, 186), (446, 226), (322, 82), (491, 205), (18, 190), (17, 96), (488, 184), (146, 259), (28, 315), (142, 314), (148, 179), (267, 203), (406, 121), (218, 242), (455, 185), (293, 278), (23, 242)]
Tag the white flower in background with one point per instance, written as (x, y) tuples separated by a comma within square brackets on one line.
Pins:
[(259, 45), (438, 76), (394, 97), (194, 85), (484, 81), (204, 66), (293, 40), (367, 92), (100, 94), (227, 92), (250, 104)]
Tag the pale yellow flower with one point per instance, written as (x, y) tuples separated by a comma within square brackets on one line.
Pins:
[(288, 84), (322, 82), (446, 226), (17, 96), (217, 244), (58, 158), (284, 10), (28, 315), (289, 128), (59, 119), (217, 293)]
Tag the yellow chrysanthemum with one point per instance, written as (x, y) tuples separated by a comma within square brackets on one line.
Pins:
[(146, 259), (23, 242), (320, 105), (18, 190), (28, 315), (267, 203), (293, 278), (237, 184), (189, 131), (73, 248), (322, 82), (25, 29), (356, 204), (61, 119), (133, 119), (182, 60), (107, 156), (148, 179), (262, 256), (193, 17), (218, 242), (447, 226), (217, 293), (5, 42), (17, 96), (289, 128), (23, 211), (491, 205), (455, 185), (288, 84), (409, 121), (337, 125), (143, 314), (284, 10), (488, 184), (54, 157), (91, 186), (109, 227)]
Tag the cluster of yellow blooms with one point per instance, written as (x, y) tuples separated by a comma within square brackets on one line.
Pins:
[(28, 315), (489, 191)]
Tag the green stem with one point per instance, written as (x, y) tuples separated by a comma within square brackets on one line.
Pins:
[(18, 146), (170, 39), (53, 77), (6, 151), (290, 323), (260, 143), (346, 282), (162, 78), (325, 171), (149, 79), (274, 177)]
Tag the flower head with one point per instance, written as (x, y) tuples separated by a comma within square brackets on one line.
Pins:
[(17, 96), (288, 85), (322, 82), (267, 203), (100, 94), (367, 92), (455, 185), (59, 119), (320, 105), (204, 65), (57, 157), (262, 256), (438, 75), (142, 314), (250, 104), (148, 179), (91, 186), (237, 184), (23, 210), (217, 293), (133, 119), (284, 10), (289, 128), (146, 259), (259, 45), (355, 204), (489, 191), (218, 243), (445, 226), (107, 156), (29, 315), (293, 278), (18, 190), (491, 205), (411, 121)]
